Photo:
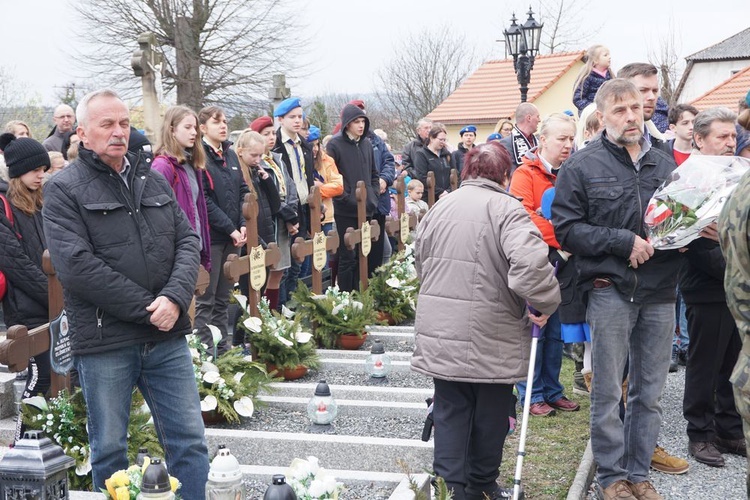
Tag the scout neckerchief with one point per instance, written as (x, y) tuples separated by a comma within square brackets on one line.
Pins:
[(520, 144)]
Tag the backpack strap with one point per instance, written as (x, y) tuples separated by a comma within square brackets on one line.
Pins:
[(9, 215)]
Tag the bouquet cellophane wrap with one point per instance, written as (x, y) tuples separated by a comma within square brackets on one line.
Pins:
[(691, 199)]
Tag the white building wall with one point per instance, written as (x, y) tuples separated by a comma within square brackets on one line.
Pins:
[(706, 75)]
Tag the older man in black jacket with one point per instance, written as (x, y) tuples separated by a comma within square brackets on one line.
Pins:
[(601, 197), (128, 261)]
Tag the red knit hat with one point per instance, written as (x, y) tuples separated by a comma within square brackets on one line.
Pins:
[(359, 103), (261, 123)]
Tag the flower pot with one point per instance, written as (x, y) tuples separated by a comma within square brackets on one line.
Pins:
[(384, 316), (288, 373), (350, 341), (213, 417)]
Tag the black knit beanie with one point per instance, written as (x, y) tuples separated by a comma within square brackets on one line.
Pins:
[(23, 155)]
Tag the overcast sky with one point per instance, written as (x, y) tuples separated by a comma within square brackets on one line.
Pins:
[(353, 39)]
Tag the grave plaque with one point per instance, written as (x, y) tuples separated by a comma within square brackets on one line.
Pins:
[(60, 349)]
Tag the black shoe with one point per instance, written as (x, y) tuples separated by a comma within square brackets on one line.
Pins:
[(673, 365), (705, 452), (733, 446), (682, 358)]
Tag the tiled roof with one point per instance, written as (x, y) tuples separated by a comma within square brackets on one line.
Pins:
[(735, 47), (727, 93), (492, 91)]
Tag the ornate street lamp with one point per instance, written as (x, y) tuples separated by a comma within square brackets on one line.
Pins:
[(522, 42)]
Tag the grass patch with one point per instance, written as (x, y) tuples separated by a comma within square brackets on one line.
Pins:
[(554, 447)]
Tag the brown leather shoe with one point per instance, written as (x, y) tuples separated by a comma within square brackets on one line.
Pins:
[(645, 491), (619, 490), (705, 452), (541, 409), (734, 446), (564, 404), (666, 463)]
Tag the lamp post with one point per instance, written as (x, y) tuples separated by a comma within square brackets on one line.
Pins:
[(522, 42)]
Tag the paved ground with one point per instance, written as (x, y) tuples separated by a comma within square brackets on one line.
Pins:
[(701, 481)]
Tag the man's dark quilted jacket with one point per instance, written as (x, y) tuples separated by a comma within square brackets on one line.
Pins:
[(115, 249)]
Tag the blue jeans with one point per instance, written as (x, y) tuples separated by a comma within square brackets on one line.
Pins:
[(163, 371), (547, 366), (681, 342), (642, 333)]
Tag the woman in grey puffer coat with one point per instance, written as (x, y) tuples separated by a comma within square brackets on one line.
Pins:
[(480, 259)]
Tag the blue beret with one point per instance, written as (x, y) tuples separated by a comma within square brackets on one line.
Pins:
[(313, 134), (468, 128), (286, 106), (494, 137)]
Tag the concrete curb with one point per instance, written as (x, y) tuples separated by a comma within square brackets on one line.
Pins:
[(584, 476)]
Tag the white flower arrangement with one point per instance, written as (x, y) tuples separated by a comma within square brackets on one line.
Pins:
[(228, 383), (310, 481)]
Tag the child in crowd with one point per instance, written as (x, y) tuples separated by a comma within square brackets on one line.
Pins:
[(57, 161), (594, 73), (414, 201)]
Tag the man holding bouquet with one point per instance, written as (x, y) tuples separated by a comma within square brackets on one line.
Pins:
[(598, 216), (713, 424)]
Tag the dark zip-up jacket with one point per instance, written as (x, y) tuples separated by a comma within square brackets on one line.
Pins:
[(600, 201), (386, 166), (356, 162), (225, 190), (26, 301), (426, 161), (115, 249)]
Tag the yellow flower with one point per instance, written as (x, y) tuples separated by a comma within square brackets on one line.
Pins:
[(120, 478), (134, 468), (174, 483), (110, 487), (122, 493), (146, 463)]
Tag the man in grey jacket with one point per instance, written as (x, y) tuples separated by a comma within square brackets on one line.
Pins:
[(128, 261)]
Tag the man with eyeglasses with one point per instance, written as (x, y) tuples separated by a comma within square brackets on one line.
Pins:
[(64, 118)]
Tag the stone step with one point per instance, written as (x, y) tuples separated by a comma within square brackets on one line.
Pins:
[(335, 451), (398, 482), (7, 398), (347, 452), (374, 394), (352, 407)]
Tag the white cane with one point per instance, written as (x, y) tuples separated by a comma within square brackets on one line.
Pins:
[(536, 332)]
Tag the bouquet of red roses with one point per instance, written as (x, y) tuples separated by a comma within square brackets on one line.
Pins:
[(691, 199)]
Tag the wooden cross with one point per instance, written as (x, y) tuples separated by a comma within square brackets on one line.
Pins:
[(255, 262), (365, 234), (431, 185), (21, 344), (318, 245), (430, 188), (400, 227)]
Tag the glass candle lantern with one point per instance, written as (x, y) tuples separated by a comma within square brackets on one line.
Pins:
[(378, 363), (322, 408)]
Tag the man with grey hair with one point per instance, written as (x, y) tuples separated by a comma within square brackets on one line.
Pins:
[(64, 120), (128, 261), (407, 156), (597, 213), (713, 424), (522, 138)]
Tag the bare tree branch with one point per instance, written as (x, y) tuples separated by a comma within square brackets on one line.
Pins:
[(666, 59), (424, 71), (562, 28), (233, 47)]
